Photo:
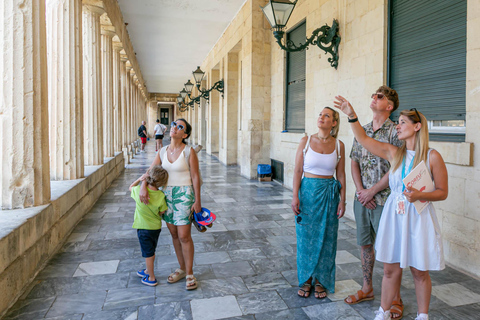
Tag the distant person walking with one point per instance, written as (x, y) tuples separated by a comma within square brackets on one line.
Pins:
[(159, 132), (142, 133)]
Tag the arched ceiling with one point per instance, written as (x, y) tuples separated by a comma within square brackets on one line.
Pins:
[(172, 37)]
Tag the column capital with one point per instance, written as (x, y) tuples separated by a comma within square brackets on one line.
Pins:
[(117, 46), (105, 30), (94, 9)]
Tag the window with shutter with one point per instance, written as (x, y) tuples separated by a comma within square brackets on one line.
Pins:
[(427, 62), (295, 93)]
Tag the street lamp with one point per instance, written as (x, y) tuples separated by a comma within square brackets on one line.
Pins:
[(326, 38)]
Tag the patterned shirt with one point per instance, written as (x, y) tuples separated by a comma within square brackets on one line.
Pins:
[(373, 168)]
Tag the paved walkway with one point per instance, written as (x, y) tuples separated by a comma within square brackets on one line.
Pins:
[(245, 264)]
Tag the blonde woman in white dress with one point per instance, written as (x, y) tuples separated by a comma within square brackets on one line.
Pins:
[(406, 238)]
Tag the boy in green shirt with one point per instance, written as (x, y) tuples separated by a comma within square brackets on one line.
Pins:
[(148, 219)]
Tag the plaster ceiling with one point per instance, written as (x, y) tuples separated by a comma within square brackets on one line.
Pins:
[(172, 37)]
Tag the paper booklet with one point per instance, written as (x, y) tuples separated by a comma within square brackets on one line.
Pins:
[(419, 178)]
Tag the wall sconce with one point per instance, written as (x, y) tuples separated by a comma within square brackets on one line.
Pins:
[(186, 92), (326, 38)]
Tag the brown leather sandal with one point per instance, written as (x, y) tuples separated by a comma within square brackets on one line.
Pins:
[(397, 308), (360, 296)]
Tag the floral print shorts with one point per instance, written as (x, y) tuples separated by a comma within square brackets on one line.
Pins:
[(180, 200)]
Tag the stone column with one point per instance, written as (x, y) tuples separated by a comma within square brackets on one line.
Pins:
[(124, 104), (25, 174), (65, 97), (117, 111), (92, 85), (128, 91), (107, 92)]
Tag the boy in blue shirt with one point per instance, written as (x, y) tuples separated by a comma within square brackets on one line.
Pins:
[(148, 219)]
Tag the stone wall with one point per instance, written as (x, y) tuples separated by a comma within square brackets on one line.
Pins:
[(362, 68), (30, 237)]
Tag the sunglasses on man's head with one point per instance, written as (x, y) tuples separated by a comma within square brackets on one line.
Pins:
[(179, 126), (379, 96)]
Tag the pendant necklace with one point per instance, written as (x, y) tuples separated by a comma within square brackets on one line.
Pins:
[(322, 138)]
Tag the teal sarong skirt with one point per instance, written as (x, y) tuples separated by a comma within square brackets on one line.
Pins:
[(317, 232)]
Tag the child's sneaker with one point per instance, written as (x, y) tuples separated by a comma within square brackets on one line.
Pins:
[(148, 282), (142, 273)]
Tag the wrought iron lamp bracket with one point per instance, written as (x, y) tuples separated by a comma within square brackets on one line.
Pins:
[(325, 37)]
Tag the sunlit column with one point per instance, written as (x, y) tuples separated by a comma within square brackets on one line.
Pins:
[(92, 85), (117, 99), (107, 92), (65, 97), (25, 175)]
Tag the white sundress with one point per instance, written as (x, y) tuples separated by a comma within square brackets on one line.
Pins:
[(411, 239)]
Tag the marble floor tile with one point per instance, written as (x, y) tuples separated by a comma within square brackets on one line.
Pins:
[(343, 289), (232, 269), (224, 200), (74, 237), (58, 270), (252, 303), (455, 294), (77, 303), (215, 308), (99, 267), (129, 297), (223, 287), (266, 281), (332, 311), (344, 256), (279, 206), (246, 254), (174, 292), (218, 257), (166, 311), (30, 308)]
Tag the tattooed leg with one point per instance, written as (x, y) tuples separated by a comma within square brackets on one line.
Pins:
[(368, 261)]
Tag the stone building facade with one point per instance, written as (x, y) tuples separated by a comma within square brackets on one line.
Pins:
[(246, 126)]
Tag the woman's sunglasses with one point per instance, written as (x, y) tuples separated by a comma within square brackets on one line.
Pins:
[(179, 126), (418, 115), (379, 96)]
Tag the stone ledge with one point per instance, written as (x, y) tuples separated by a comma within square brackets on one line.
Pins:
[(29, 237), (459, 153)]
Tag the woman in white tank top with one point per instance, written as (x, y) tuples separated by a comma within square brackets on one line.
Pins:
[(182, 194), (318, 202)]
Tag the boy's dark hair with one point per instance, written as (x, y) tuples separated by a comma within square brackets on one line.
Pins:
[(188, 129), (158, 120), (157, 176), (391, 95)]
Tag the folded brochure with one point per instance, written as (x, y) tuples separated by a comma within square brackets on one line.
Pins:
[(420, 179)]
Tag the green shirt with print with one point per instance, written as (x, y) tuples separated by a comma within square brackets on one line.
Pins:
[(148, 216)]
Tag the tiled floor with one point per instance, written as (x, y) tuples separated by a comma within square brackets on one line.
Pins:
[(245, 264)]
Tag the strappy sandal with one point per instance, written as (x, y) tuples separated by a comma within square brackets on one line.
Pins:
[(306, 289), (397, 308), (360, 296), (319, 292), (191, 282), (179, 274)]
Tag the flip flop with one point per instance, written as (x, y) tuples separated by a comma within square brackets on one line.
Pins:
[(308, 287), (397, 308), (191, 283), (318, 293), (358, 297)]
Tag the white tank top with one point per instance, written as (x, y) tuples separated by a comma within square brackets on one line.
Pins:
[(178, 171), (320, 164)]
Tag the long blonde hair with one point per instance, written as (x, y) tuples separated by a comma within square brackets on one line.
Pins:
[(421, 140), (336, 117)]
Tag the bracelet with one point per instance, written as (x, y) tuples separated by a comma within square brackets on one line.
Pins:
[(353, 120)]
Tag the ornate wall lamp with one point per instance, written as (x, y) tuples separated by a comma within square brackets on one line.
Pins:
[(186, 92), (326, 38)]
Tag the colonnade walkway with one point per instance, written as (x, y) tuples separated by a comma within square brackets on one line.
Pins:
[(245, 264)]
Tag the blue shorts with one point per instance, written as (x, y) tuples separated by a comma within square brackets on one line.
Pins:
[(148, 241)]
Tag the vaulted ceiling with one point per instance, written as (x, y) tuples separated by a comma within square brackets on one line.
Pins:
[(172, 37)]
